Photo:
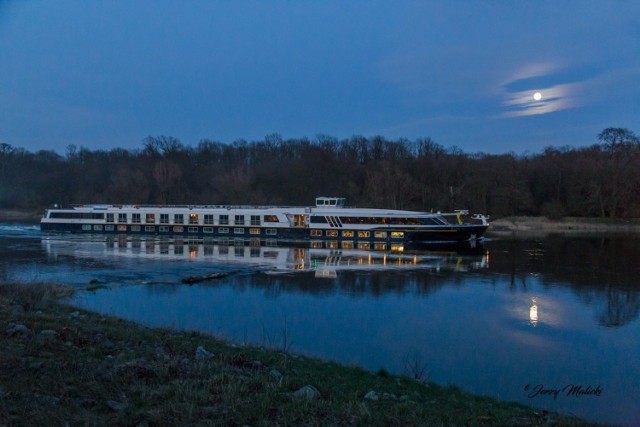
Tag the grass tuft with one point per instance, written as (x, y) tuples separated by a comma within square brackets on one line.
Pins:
[(36, 295)]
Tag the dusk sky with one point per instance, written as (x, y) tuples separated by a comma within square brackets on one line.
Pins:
[(464, 73)]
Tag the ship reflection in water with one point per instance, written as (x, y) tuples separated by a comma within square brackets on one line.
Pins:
[(326, 259)]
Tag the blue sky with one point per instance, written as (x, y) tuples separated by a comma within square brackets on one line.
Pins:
[(464, 73)]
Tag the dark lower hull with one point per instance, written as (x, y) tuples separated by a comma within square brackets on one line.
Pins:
[(453, 233)]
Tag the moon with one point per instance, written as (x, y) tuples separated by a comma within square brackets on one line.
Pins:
[(537, 96)]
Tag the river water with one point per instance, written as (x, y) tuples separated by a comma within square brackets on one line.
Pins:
[(548, 321)]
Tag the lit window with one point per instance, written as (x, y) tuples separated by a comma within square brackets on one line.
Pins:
[(254, 231), (193, 218), (380, 234), (347, 233), (270, 218), (178, 229), (316, 233), (151, 218), (397, 234), (364, 234), (332, 233)]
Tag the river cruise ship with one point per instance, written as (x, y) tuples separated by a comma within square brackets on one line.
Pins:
[(329, 220)]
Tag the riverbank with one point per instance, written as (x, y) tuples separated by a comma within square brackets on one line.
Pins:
[(66, 366), (19, 215), (526, 224)]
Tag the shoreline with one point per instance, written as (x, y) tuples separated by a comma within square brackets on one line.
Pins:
[(526, 224), (20, 215), (80, 367)]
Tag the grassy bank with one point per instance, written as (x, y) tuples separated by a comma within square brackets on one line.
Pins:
[(64, 366)]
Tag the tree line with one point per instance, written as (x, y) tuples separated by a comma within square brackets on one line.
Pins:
[(601, 180)]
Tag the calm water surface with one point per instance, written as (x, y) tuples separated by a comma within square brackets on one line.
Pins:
[(505, 319)]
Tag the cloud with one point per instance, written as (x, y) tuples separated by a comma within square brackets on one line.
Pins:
[(401, 129), (553, 98), (559, 89)]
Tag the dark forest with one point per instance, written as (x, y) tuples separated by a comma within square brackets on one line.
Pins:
[(601, 180)]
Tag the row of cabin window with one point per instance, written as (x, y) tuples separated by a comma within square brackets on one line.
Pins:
[(361, 234), (177, 229), (349, 244), (192, 218)]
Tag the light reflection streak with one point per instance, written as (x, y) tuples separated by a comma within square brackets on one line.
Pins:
[(533, 312)]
